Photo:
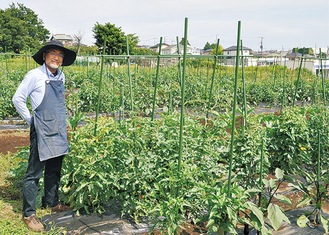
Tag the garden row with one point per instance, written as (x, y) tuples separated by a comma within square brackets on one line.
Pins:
[(135, 161), (207, 88), (208, 166)]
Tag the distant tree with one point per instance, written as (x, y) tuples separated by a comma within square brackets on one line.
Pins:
[(21, 29), (212, 48), (303, 50), (208, 46), (142, 51), (78, 38), (220, 50), (116, 40), (85, 50), (322, 55), (182, 42)]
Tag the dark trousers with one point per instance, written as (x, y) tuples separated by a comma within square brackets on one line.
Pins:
[(52, 172)]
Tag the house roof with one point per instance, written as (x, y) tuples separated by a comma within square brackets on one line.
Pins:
[(62, 37), (294, 55), (233, 48), (158, 45)]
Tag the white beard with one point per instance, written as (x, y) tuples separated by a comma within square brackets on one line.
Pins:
[(53, 65)]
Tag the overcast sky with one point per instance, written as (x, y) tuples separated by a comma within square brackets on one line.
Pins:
[(283, 24)]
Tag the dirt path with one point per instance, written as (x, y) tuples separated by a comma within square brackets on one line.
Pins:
[(12, 140)]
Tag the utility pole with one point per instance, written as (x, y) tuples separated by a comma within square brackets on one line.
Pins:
[(261, 45)]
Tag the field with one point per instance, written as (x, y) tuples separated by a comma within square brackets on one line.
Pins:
[(214, 162)]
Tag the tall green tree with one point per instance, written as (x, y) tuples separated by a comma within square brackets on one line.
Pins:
[(116, 39), (303, 50), (212, 47), (21, 29), (208, 46)]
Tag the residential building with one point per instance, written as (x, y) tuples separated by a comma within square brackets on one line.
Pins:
[(67, 40), (231, 51)]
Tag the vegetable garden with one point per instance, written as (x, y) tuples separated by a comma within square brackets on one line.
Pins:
[(184, 144)]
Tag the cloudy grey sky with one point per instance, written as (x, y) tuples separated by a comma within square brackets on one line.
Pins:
[(283, 24)]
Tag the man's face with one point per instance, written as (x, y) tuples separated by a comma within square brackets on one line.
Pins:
[(54, 59)]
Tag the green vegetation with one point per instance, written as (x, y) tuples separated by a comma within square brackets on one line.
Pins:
[(21, 29), (133, 158), (135, 162)]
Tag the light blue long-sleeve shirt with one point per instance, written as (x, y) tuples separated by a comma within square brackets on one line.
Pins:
[(33, 86)]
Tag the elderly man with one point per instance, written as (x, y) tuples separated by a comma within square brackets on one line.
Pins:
[(48, 138)]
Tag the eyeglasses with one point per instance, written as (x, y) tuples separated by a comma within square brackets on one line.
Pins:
[(53, 54)]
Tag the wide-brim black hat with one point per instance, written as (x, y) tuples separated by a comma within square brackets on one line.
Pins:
[(69, 55)]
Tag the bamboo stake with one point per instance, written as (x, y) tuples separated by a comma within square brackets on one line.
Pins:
[(298, 78), (283, 87), (129, 77), (234, 111), (243, 90), (182, 112), (212, 79), (156, 80), (179, 64), (322, 78), (99, 87)]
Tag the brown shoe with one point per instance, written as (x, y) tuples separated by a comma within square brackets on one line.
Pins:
[(33, 223), (60, 208)]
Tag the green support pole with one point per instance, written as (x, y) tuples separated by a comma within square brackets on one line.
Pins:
[(260, 182), (234, 111), (6, 59), (322, 78), (212, 79), (129, 77), (182, 112), (243, 90), (283, 100), (298, 78), (179, 64), (99, 87), (156, 80)]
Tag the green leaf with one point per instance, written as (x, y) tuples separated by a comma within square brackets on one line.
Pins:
[(210, 223), (276, 216), (257, 213), (253, 191), (265, 231), (324, 223), (283, 199), (279, 173), (302, 221)]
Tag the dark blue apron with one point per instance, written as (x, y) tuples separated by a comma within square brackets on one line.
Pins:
[(50, 122)]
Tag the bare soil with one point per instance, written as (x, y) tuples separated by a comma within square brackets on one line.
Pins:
[(13, 140)]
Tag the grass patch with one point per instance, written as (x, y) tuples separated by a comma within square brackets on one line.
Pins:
[(11, 199)]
